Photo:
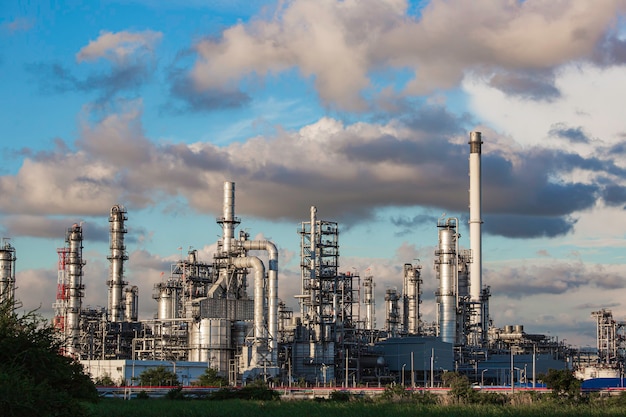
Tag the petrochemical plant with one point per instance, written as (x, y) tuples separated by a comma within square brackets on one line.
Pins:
[(226, 314)]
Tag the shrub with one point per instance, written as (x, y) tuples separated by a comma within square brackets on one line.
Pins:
[(34, 378)]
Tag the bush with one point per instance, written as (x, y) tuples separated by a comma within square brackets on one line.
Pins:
[(340, 396), (257, 390), (158, 377), (34, 378), (175, 394), (564, 385), (396, 393)]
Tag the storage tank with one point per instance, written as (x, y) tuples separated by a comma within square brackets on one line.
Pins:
[(209, 341)]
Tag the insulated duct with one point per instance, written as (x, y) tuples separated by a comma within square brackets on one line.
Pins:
[(272, 295), (259, 322)]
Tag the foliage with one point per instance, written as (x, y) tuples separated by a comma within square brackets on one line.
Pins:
[(105, 381), (176, 394), (239, 408), (158, 377), (565, 386), (34, 378), (340, 396), (256, 390), (396, 393), (460, 387), (210, 378)]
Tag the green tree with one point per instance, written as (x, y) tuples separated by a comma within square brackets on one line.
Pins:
[(34, 378), (105, 381), (159, 376), (563, 383), (210, 378), (460, 387)]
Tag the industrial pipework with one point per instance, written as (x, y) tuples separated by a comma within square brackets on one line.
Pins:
[(264, 355), (117, 257), (7, 272)]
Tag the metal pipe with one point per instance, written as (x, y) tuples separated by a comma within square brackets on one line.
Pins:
[(259, 276), (370, 319), (272, 277), (229, 215), (475, 223)]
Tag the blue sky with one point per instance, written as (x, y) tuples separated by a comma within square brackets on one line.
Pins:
[(362, 108)]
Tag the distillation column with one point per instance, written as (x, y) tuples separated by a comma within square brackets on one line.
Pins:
[(475, 224), (75, 265), (446, 268), (392, 315), (411, 299), (7, 273), (369, 301), (117, 257)]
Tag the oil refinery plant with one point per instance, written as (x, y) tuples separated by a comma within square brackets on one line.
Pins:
[(225, 313)]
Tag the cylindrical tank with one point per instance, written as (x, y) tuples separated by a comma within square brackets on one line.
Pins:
[(209, 341), (447, 268), (131, 310)]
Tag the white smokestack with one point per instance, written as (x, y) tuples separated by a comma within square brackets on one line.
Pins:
[(475, 223)]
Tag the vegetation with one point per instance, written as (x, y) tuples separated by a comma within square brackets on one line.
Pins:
[(565, 386), (34, 378), (308, 408), (210, 378), (257, 390), (157, 377), (105, 381)]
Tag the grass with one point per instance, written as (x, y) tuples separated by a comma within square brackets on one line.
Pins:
[(241, 408)]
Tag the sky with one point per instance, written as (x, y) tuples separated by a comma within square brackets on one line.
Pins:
[(360, 108)]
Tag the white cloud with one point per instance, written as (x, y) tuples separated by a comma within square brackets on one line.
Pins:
[(118, 47), (340, 45)]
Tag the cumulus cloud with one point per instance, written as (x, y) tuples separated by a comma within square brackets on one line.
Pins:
[(358, 169), (341, 45)]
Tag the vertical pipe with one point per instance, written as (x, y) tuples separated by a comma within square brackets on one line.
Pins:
[(315, 314), (259, 293), (370, 321), (475, 223), (272, 293), (229, 215)]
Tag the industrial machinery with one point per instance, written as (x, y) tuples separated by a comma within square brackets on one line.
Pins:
[(225, 312), (7, 272)]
